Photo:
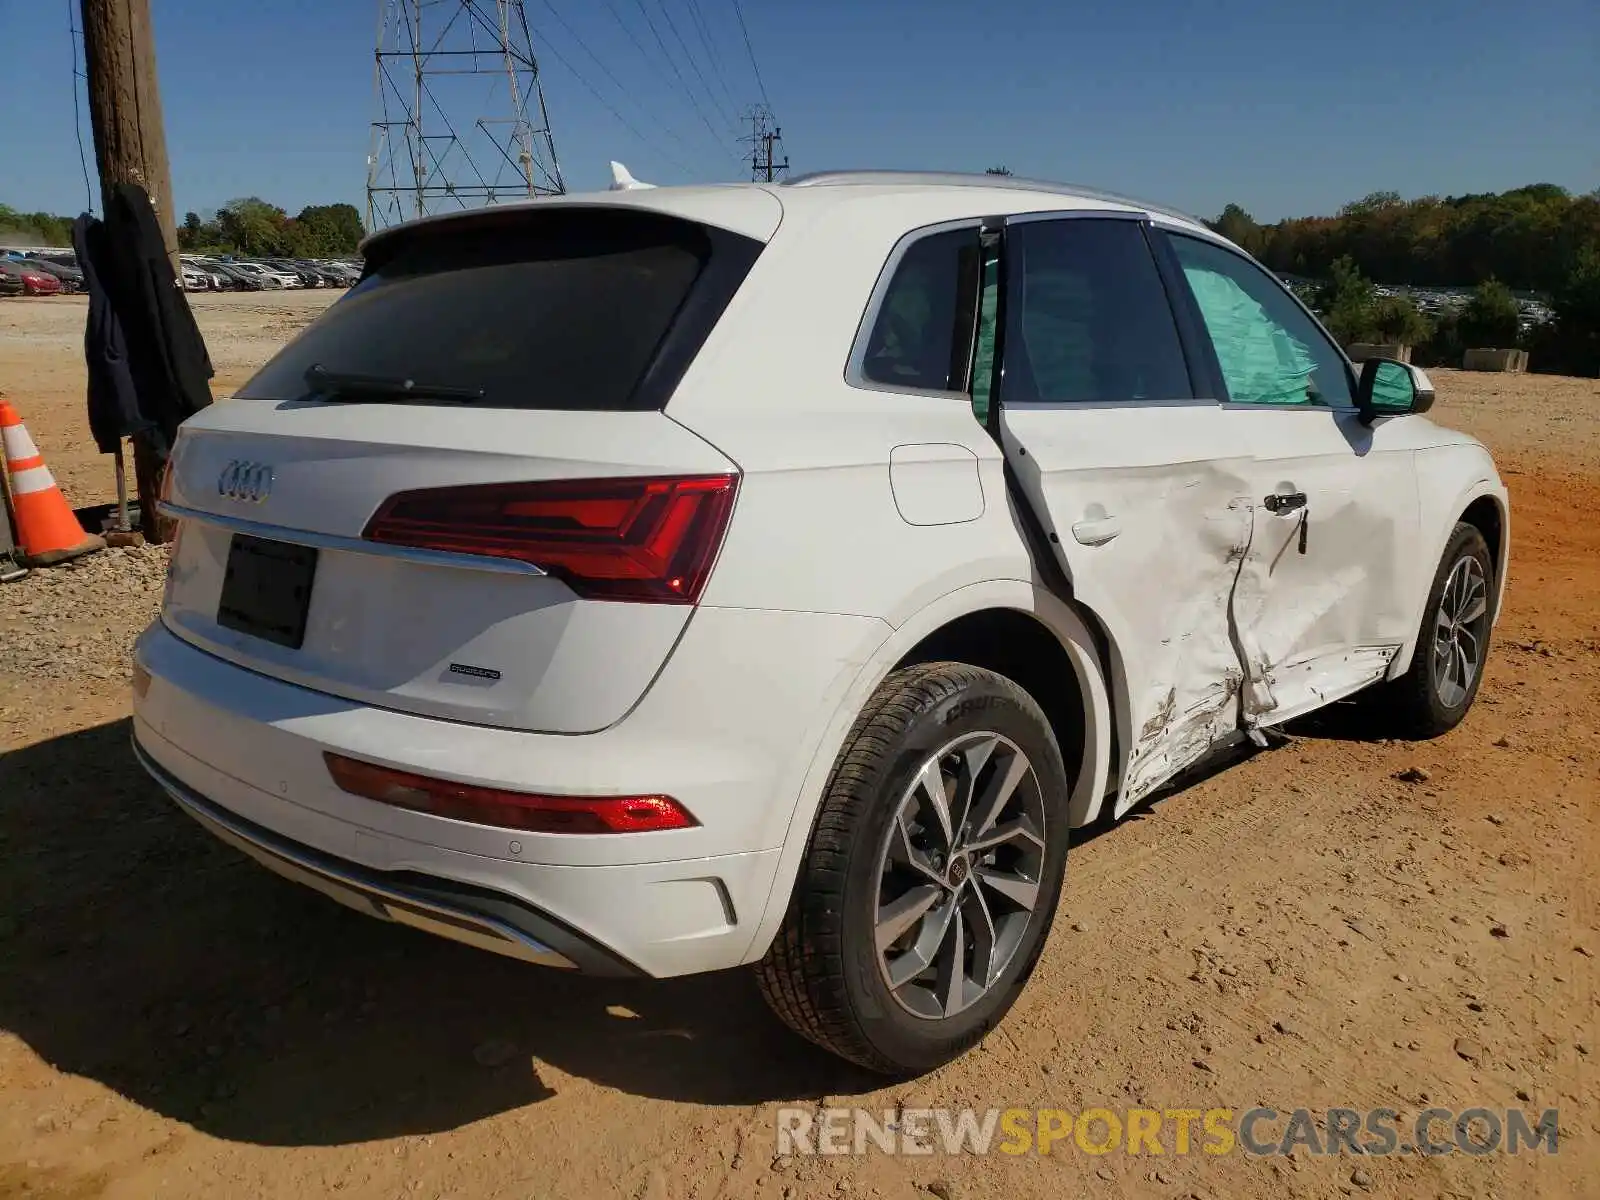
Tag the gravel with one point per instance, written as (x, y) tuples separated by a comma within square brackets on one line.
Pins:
[(81, 618)]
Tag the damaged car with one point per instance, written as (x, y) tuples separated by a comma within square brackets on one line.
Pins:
[(681, 578)]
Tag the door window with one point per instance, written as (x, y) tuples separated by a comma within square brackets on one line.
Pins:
[(1269, 349), (1087, 319)]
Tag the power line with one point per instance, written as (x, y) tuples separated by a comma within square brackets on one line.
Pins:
[(687, 90), (77, 120), (738, 11), (699, 74), (703, 31), (610, 108), (620, 86)]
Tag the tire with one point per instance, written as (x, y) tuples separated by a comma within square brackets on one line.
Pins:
[(1419, 704), (824, 974)]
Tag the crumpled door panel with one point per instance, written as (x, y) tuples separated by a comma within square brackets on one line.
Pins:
[(1192, 673)]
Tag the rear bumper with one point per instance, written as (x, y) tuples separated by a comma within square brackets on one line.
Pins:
[(729, 729), (479, 918)]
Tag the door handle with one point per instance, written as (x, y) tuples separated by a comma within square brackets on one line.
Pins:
[(1282, 502), (1096, 532)]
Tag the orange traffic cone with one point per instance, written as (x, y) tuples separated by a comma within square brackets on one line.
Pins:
[(46, 529)]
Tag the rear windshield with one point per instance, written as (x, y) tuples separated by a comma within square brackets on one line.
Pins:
[(569, 308)]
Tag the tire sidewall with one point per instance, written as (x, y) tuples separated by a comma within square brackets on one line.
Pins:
[(987, 703)]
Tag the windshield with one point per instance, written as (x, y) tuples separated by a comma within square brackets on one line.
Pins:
[(567, 308)]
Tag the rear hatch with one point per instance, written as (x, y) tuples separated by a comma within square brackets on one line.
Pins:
[(456, 492)]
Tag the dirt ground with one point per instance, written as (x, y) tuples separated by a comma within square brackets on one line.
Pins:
[(1303, 929)]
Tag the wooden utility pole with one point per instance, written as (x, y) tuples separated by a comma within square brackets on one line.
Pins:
[(130, 146)]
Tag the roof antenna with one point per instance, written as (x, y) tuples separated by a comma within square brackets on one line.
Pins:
[(621, 181)]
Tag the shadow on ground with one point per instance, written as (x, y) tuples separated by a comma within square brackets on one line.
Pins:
[(137, 951)]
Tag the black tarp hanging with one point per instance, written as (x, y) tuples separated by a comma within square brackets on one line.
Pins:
[(148, 365)]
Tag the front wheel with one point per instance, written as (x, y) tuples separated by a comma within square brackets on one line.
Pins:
[(932, 875), (1452, 649)]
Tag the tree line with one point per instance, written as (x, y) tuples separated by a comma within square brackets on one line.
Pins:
[(248, 226), (40, 228), (253, 227), (1528, 238), (1538, 238)]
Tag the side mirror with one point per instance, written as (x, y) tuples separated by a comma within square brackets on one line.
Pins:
[(1390, 388)]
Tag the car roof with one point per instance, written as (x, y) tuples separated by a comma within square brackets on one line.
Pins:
[(756, 209), (1056, 195)]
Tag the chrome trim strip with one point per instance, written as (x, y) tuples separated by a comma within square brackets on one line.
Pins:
[(216, 820), (331, 541)]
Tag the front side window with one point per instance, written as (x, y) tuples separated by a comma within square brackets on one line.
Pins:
[(922, 330), (1087, 318), (1269, 350)]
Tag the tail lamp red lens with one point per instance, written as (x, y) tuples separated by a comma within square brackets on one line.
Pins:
[(505, 809), (652, 539)]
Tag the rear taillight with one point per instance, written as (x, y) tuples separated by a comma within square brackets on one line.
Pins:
[(607, 539), (507, 810)]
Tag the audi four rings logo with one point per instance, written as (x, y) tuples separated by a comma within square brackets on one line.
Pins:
[(247, 481)]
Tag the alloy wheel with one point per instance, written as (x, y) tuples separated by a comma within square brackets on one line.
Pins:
[(959, 875), (1459, 630)]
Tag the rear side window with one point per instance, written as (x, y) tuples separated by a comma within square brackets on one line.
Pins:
[(921, 333), (1087, 318), (561, 309)]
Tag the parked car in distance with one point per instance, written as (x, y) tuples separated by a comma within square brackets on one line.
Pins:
[(341, 274), (211, 279), (658, 582), (233, 279), (10, 285), (36, 281), (71, 278), (331, 276), (306, 276), (263, 276), (291, 279)]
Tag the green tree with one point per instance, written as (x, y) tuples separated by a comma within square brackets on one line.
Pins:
[(329, 230), (1398, 321), (1347, 303), (1569, 342), (1240, 228), (189, 232), (252, 226), (1492, 317)]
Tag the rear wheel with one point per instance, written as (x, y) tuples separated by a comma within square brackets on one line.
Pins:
[(932, 874), (1452, 650)]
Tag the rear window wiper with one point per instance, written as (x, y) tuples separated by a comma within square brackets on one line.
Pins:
[(352, 388)]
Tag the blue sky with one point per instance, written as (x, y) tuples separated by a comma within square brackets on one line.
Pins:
[(1276, 105)]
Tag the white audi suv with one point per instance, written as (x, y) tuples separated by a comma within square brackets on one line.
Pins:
[(660, 581)]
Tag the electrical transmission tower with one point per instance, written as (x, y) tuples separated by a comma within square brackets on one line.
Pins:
[(764, 136), (460, 119)]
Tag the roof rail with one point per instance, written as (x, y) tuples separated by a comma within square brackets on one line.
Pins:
[(964, 179)]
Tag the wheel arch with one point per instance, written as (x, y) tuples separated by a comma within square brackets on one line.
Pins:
[(1483, 504), (962, 622)]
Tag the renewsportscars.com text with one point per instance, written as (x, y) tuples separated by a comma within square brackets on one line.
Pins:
[(1178, 1131)]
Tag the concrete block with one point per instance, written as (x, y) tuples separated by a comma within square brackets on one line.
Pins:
[(1361, 351), (1490, 359)]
